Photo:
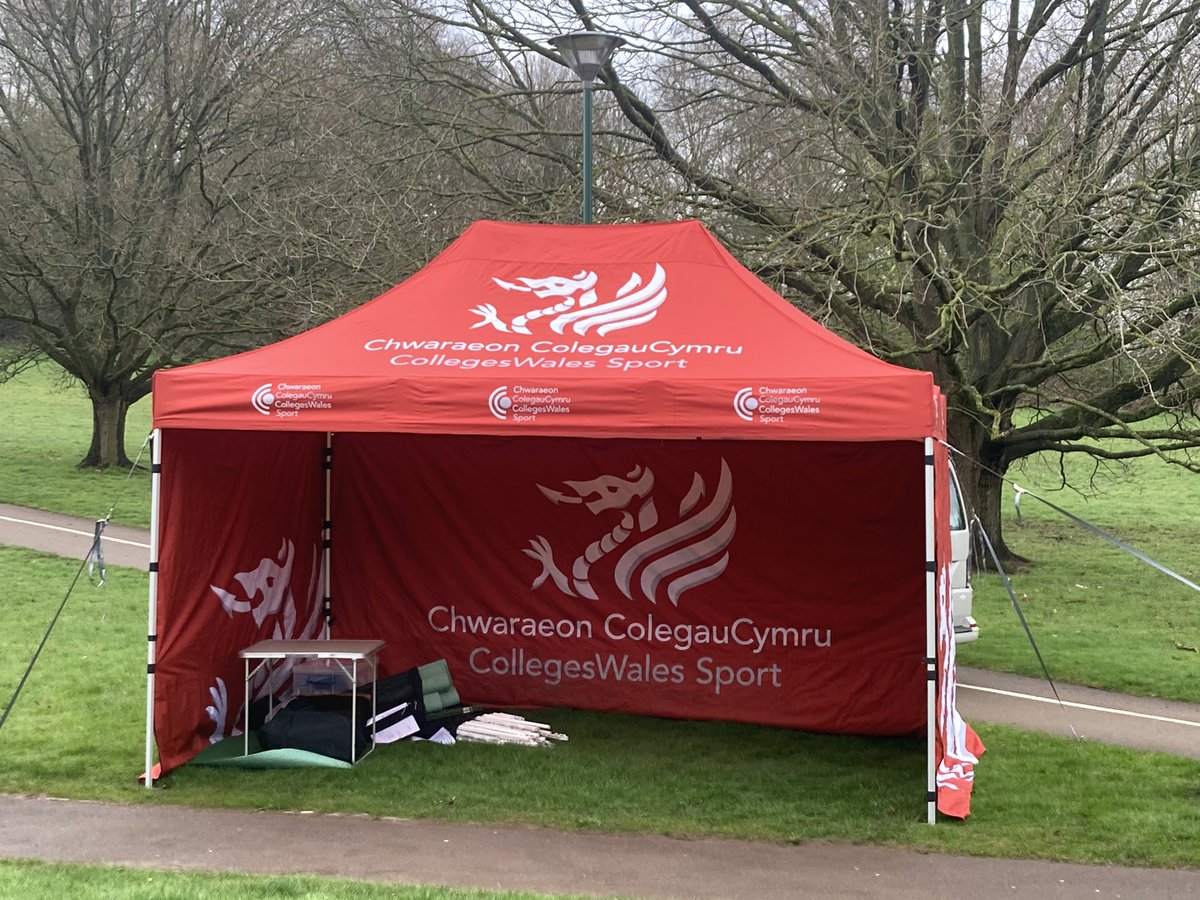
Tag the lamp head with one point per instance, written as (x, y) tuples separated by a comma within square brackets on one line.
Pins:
[(586, 52)]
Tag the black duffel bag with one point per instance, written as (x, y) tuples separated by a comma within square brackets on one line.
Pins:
[(319, 725)]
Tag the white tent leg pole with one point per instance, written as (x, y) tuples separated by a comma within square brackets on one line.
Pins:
[(930, 640), (327, 530), (151, 628)]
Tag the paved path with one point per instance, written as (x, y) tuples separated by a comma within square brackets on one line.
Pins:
[(601, 865), (66, 536), (164, 837), (1139, 722)]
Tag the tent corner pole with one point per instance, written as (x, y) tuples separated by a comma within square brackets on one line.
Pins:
[(151, 628), (327, 535), (930, 638)]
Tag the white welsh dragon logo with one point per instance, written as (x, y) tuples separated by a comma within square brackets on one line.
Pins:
[(266, 594), (578, 309), (676, 556)]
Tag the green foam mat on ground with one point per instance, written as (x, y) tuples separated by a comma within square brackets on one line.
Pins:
[(230, 753)]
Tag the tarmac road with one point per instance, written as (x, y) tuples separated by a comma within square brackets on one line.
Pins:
[(1142, 723), (532, 859), (594, 864)]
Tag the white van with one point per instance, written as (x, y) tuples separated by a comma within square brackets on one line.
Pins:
[(965, 627)]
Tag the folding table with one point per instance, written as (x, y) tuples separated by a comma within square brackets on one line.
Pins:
[(341, 652)]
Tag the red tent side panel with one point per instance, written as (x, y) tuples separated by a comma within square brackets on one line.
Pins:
[(778, 583), (241, 516)]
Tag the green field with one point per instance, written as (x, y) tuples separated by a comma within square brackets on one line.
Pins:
[(1102, 618), (48, 433)]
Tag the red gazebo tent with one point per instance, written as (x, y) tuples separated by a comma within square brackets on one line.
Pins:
[(602, 467)]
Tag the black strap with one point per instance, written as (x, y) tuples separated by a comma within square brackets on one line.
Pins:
[(95, 557), (1082, 523)]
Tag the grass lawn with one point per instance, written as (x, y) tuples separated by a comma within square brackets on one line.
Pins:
[(45, 881), (48, 432), (1100, 616), (1037, 795)]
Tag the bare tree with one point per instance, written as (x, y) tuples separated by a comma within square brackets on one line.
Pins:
[(1005, 194), (379, 171), (134, 137), (498, 124)]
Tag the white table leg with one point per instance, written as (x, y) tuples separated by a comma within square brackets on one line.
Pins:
[(246, 711), (353, 708)]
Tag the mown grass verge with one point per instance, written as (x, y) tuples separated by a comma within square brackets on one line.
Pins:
[(47, 881)]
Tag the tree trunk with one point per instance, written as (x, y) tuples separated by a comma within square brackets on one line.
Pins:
[(108, 429)]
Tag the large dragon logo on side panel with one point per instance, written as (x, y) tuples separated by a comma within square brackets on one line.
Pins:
[(266, 593), (580, 308), (650, 555)]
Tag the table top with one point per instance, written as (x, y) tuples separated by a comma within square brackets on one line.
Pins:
[(319, 649)]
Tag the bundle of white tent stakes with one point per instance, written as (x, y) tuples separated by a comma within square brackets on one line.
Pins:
[(504, 728)]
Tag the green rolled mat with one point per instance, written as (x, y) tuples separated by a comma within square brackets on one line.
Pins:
[(439, 700), (435, 677)]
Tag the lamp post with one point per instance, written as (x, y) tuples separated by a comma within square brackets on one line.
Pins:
[(586, 53)]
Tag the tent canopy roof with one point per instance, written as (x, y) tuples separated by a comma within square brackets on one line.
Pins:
[(600, 330)]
